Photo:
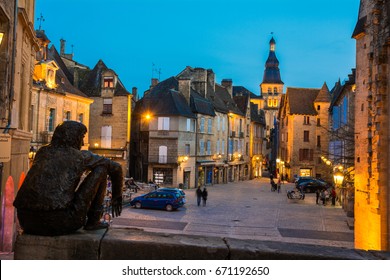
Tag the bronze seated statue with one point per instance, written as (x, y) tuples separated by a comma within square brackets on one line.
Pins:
[(64, 189)]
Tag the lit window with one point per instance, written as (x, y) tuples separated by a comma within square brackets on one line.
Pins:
[(106, 135), (270, 103), (108, 82), (163, 123), (275, 103)]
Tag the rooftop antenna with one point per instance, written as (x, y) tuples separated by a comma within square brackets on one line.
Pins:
[(152, 69), (40, 19), (159, 73)]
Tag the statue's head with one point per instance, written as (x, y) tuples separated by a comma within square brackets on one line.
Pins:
[(69, 134)]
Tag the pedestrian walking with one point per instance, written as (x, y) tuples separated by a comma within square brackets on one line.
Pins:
[(333, 194), (204, 196), (198, 195), (322, 196), (279, 185), (317, 195)]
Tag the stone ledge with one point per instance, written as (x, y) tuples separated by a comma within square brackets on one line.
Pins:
[(128, 244), (82, 245)]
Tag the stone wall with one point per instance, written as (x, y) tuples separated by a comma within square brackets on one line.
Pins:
[(372, 199), (135, 244)]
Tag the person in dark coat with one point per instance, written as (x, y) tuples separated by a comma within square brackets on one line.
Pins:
[(198, 195), (56, 196), (317, 195), (204, 196)]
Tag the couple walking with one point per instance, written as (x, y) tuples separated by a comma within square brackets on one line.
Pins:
[(201, 195)]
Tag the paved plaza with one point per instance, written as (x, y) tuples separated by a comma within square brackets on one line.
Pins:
[(248, 210)]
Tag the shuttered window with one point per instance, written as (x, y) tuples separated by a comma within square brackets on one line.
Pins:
[(305, 154), (106, 135)]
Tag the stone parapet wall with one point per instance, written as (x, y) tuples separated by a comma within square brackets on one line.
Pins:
[(131, 244)]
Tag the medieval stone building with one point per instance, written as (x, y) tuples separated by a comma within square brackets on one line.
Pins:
[(302, 138), (54, 98), (17, 51), (372, 126)]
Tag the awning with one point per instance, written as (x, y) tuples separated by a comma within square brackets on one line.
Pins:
[(109, 153), (205, 162)]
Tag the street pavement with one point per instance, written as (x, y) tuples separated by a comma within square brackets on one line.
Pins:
[(248, 210)]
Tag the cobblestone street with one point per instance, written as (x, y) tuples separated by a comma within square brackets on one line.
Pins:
[(248, 210)]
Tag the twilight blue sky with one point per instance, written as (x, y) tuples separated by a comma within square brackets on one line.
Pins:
[(231, 37)]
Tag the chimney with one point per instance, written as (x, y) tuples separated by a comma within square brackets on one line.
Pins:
[(134, 93), (228, 84), (185, 88), (211, 79), (62, 48), (153, 83)]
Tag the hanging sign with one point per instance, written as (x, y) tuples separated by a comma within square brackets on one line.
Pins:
[(5, 147)]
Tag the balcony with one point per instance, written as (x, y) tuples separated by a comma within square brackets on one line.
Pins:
[(160, 159)]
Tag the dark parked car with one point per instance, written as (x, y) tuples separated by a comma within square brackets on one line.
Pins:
[(312, 185), (158, 200), (177, 191)]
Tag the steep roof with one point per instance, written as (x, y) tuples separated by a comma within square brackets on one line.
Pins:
[(165, 99), (301, 100), (271, 72), (64, 85), (257, 115), (229, 103), (91, 83), (323, 95), (242, 102), (240, 90)]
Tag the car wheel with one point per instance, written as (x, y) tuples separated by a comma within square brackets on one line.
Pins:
[(138, 205), (169, 207)]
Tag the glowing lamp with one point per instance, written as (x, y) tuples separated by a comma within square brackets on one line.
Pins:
[(1, 37), (338, 177)]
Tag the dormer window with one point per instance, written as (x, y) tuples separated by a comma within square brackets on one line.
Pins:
[(108, 82), (46, 72)]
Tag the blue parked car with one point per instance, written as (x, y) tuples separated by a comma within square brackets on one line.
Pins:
[(178, 192), (159, 200)]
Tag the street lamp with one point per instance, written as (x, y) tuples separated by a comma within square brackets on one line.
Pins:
[(338, 177)]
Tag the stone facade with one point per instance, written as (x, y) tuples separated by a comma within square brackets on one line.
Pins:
[(17, 52), (372, 147), (109, 132), (53, 102), (302, 140)]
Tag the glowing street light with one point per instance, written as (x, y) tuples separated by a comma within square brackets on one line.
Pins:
[(338, 177)]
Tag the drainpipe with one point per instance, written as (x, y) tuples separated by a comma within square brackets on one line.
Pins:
[(12, 89), (196, 153)]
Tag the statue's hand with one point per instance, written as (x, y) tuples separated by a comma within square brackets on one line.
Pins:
[(116, 205)]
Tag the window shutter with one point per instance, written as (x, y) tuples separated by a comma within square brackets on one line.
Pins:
[(300, 154), (311, 154)]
